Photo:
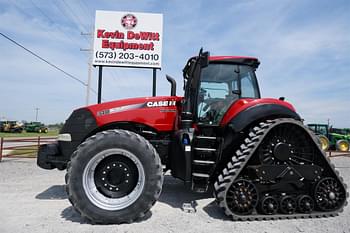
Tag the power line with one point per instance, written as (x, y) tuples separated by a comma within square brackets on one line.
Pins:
[(84, 7), (74, 15), (47, 62), (68, 16), (50, 20), (43, 59)]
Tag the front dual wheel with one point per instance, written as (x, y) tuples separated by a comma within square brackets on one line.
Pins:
[(114, 176)]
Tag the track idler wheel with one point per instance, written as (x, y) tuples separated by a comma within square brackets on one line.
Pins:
[(242, 197), (305, 204), (287, 205), (269, 205), (329, 195)]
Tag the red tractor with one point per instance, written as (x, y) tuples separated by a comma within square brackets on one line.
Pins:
[(255, 153)]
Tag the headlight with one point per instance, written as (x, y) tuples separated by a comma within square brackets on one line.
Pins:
[(64, 137)]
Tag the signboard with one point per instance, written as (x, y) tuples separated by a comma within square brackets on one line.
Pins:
[(128, 39)]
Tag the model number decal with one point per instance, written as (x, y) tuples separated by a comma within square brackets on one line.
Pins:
[(165, 103), (119, 109)]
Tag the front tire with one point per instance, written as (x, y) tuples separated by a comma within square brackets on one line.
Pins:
[(342, 145), (324, 142), (114, 177)]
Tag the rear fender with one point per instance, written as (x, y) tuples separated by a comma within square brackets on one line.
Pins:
[(259, 113)]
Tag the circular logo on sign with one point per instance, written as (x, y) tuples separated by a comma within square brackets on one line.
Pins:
[(129, 21)]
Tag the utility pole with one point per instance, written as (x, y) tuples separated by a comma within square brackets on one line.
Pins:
[(36, 113), (88, 83)]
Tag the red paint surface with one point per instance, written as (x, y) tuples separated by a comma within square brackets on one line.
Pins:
[(217, 58), (152, 116), (243, 104)]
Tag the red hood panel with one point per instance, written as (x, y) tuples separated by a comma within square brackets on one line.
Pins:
[(243, 104), (157, 112)]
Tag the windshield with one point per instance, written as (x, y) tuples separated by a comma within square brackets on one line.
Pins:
[(220, 86)]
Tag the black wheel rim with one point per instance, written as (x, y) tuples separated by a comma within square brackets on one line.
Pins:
[(305, 204), (242, 197), (269, 205), (329, 195), (92, 182), (286, 144), (287, 205), (116, 176)]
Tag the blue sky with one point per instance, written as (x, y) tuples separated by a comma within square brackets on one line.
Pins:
[(303, 46)]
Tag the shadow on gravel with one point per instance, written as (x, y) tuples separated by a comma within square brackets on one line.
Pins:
[(70, 214), (214, 211), (176, 194), (55, 192)]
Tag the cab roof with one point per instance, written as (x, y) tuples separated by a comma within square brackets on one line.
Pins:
[(251, 61)]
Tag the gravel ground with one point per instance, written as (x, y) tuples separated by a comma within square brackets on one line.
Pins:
[(34, 200)]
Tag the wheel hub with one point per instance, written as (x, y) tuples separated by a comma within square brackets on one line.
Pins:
[(282, 151), (116, 176), (331, 195)]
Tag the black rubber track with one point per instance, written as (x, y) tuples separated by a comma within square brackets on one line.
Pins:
[(242, 156), (108, 139)]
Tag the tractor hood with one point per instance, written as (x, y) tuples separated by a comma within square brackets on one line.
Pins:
[(157, 112)]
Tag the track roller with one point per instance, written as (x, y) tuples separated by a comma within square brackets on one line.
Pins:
[(269, 205), (305, 204), (288, 205)]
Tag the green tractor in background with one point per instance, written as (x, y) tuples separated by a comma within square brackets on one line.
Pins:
[(341, 137), (11, 127), (331, 138), (36, 127)]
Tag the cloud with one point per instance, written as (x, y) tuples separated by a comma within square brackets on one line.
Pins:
[(304, 49)]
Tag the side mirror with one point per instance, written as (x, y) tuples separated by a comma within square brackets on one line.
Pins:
[(204, 59)]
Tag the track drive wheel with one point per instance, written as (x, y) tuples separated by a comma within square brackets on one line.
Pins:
[(114, 176)]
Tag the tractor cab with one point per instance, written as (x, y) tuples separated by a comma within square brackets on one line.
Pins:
[(213, 84)]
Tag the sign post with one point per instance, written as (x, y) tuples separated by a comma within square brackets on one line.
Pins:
[(99, 92), (128, 39), (154, 87)]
